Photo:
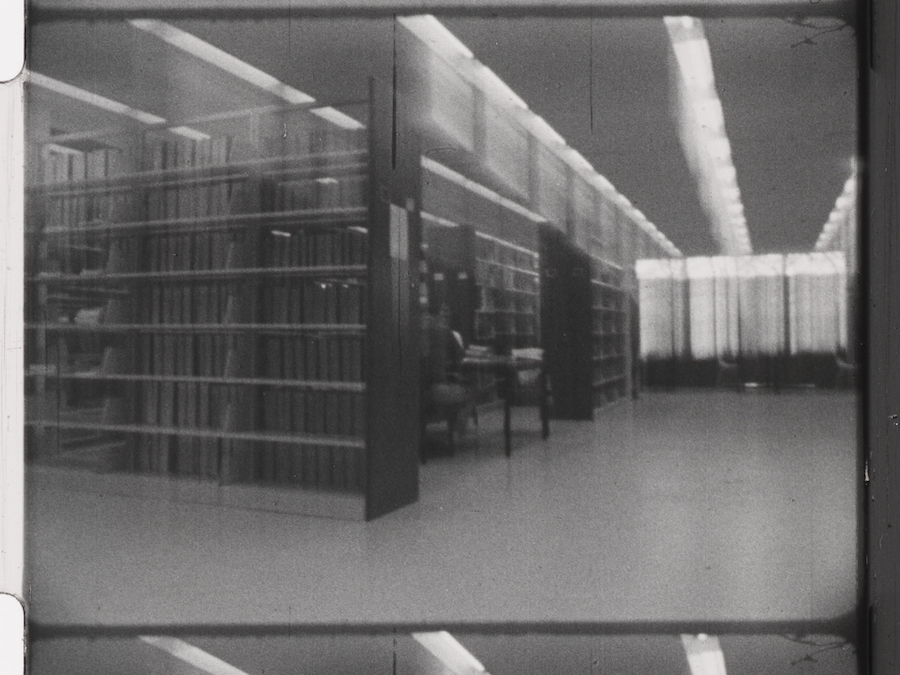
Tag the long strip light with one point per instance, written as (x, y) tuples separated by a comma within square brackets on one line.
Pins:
[(204, 51), (437, 220), (653, 232), (448, 650), (438, 37), (191, 655), (90, 98), (841, 213), (242, 70), (703, 137), (704, 654), (71, 91)]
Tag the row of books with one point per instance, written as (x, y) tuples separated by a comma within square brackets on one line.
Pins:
[(317, 466), (328, 192), (605, 297), (505, 276), (306, 423), (338, 414), (206, 400), (609, 330), (208, 249), (606, 324), (173, 195), (200, 304), (508, 286), (265, 376), (303, 246), (241, 145), (64, 166), (491, 299), (504, 253)]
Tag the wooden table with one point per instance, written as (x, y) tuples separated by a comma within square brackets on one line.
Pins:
[(506, 368)]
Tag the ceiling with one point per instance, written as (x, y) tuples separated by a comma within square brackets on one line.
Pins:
[(788, 90)]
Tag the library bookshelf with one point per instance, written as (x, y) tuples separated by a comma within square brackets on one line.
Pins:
[(585, 314), (202, 304), (508, 294), (609, 332)]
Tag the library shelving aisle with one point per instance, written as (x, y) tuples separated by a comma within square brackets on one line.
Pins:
[(489, 244), (201, 306)]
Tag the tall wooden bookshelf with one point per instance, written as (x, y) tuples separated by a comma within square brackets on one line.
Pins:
[(566, 320), (609, 332), (507, 277), (585, 314), (204, 305), (450, 280)]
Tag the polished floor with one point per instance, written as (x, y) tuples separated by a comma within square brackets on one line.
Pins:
[(685, 506)]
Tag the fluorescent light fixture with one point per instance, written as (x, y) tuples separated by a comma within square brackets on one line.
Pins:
[(840, 214), (720, 149), (242, 70), (577, 161), (703, 137), (500, 90), (337, 118), (450, 652), (187, 132), (108, 104), (692, 52), (437, 220), (704, 654), (544, 132), (843, 202), (603, 183), (191, 655), (221, 59), (62, 149), (728, 175), (709, 115), (93, 99), (429, 29)]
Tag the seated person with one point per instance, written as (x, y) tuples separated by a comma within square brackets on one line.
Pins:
[(442, 351), (442, 348)]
